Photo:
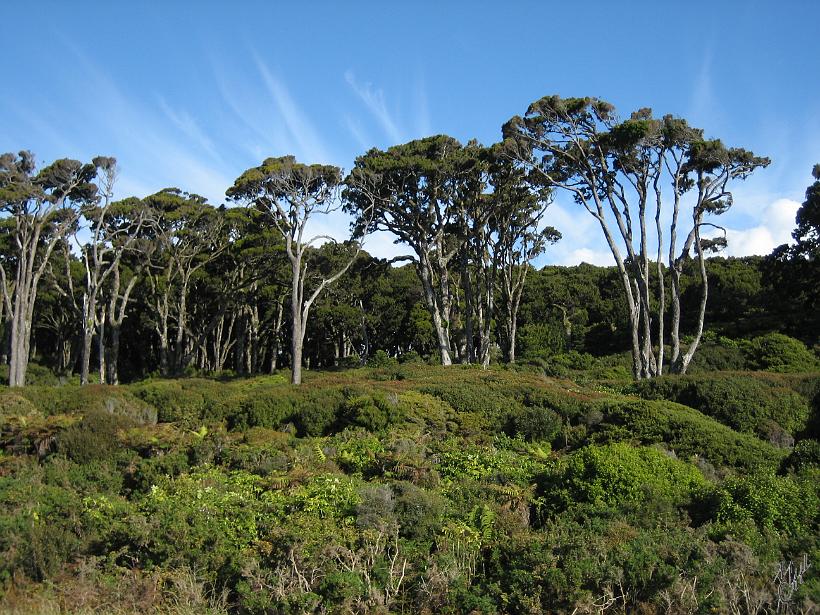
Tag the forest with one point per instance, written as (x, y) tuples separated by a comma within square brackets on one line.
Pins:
[(226, 409)]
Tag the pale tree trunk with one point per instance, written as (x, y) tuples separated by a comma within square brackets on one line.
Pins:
[(276, 337), (116, 315), (683, 362), (433, 305), (87, 338), (101, 346)]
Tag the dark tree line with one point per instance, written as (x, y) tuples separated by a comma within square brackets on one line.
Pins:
[(170, 284)]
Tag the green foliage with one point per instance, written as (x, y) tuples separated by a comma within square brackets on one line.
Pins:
[(94, 438), (617, 474), (203, 519), (446, 480), (535, 423), (686, 431), (327, 495), (781, 503), (779, 353), (373, 412), (747, 404)]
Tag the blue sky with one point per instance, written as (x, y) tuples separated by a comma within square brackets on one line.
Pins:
[(190, 94)]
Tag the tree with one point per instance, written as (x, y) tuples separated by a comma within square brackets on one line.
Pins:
[(292, 194), (793, 272), (111, 236), (44, 206), (416, 200), (518, 209), (188, 234), (617, 172)]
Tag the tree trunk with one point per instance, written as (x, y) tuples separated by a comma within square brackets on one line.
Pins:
[(112, 358)]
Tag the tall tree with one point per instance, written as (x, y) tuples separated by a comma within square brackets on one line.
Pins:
[(292, 194), (793, 271), (617, 171), (44, 206), (518, 208), (417, 201), (188, 234)]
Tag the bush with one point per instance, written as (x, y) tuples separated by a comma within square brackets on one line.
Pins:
[(372, 412), (36, 375), (381, 359), (616, 474), (94, 438), (806, 454), (174, 402), (684, 430), (779, 353), (535, 423), (775, 502), (316, 411), (745, 403)]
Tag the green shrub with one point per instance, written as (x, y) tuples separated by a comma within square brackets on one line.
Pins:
[(373, 412), (174, 402), (36, 375), (776, 502), (535, 423), (779, 353), (327, 495), (316, 411), (204, 519), (38, 525), (15, 405), (261, 409), (616, 474), (684, 430), (419, 512), (719, 354), (806, 454), (381, 359), (356, 451), (745, 403), (94, 438)]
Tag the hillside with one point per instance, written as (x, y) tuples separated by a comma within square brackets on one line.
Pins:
[(409, 487)]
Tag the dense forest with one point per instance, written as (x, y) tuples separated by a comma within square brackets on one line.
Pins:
[(224, 409)]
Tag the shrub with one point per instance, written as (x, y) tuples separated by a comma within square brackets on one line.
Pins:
[(381, 359), (779, 353), (535, 423), (316, 411), (419, 512), (373, 412), (720, 354), (356, 451), (173, 402), (776, 502), (618, 473), (204, 519), (94, 438), (806, 454), (261, 409), (745, 403), (684, 430), (36, 375), (14, 405)]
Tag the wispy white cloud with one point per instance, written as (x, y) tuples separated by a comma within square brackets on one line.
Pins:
[(189, 126), (152, 159), (373, 98), (355, 129), (299, 126)]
